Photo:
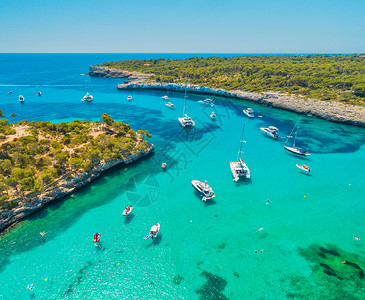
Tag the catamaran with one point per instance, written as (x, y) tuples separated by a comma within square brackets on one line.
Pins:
[(271, 131), (248, 112), (204, 189), (88, 97), (293, 148), (239, 167), (186, 121)]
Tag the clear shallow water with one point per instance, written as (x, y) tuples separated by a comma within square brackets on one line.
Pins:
[(204, 250)]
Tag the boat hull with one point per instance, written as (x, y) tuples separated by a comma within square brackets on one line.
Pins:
[(126, 213), (184, 124), (235, 174), (153, 228), (296, 151)]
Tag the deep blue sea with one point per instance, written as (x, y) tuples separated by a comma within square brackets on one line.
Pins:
[(205, 250)]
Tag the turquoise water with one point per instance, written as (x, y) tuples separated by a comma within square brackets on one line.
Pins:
[(204, 250)]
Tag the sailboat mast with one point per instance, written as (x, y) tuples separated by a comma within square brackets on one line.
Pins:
[(184, 107), (241, 141), (295, 137)]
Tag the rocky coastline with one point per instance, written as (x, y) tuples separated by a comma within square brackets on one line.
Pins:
[(331, 111), (62, 187)]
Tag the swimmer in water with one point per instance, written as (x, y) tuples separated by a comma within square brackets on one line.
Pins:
[(356, 238)]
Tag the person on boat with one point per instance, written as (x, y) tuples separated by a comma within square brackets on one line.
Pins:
[(128, 208)]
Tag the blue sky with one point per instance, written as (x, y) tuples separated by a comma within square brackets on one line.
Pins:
[(231, 26)]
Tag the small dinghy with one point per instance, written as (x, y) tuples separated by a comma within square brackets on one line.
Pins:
[(96, 237), (155, 229), (21, 98), (165, 97), (127, 210), (170, 105), (163, 166), (39, 94), (129, 98), (212, 115), (303, 167)]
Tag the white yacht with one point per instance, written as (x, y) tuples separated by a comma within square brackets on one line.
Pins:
[(294, 149), (165, 97), (204, 189), (239, 167), (186, 121), (248, 112), (169, 104), (155, 229), (129, 98), (21, 98), (88, 97), (271, 131), (206, 101)]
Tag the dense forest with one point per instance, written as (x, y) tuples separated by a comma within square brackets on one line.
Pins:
[(34, 154), (324, 77)]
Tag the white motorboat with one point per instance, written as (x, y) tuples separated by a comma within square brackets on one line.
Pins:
[(293, 148), (88, 97), (39, 94), (248, 112), (271, 131), (170, 105), (206, 101), (127, 210), (155, 229), (165, 97), (239, 167), (303, 167), (21, 98), (129, 98), (204, 189)]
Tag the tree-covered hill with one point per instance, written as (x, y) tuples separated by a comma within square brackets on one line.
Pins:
[(34, 154), (324, 77)]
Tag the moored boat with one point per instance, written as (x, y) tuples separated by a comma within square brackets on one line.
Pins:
[(303, 167), (88, 97), (212, 115), (204, 189), (294, 149), (39, 94), (207, 101), (21, 98), (163, 166), (271, 131), (248, 112), (165, 97), (170, 105), (155, 229), (186, 121), (239, 167), (129, 98), (127, 210)]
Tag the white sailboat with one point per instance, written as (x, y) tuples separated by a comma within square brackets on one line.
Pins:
[(293, 148), (239, 167), (186, 121)]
